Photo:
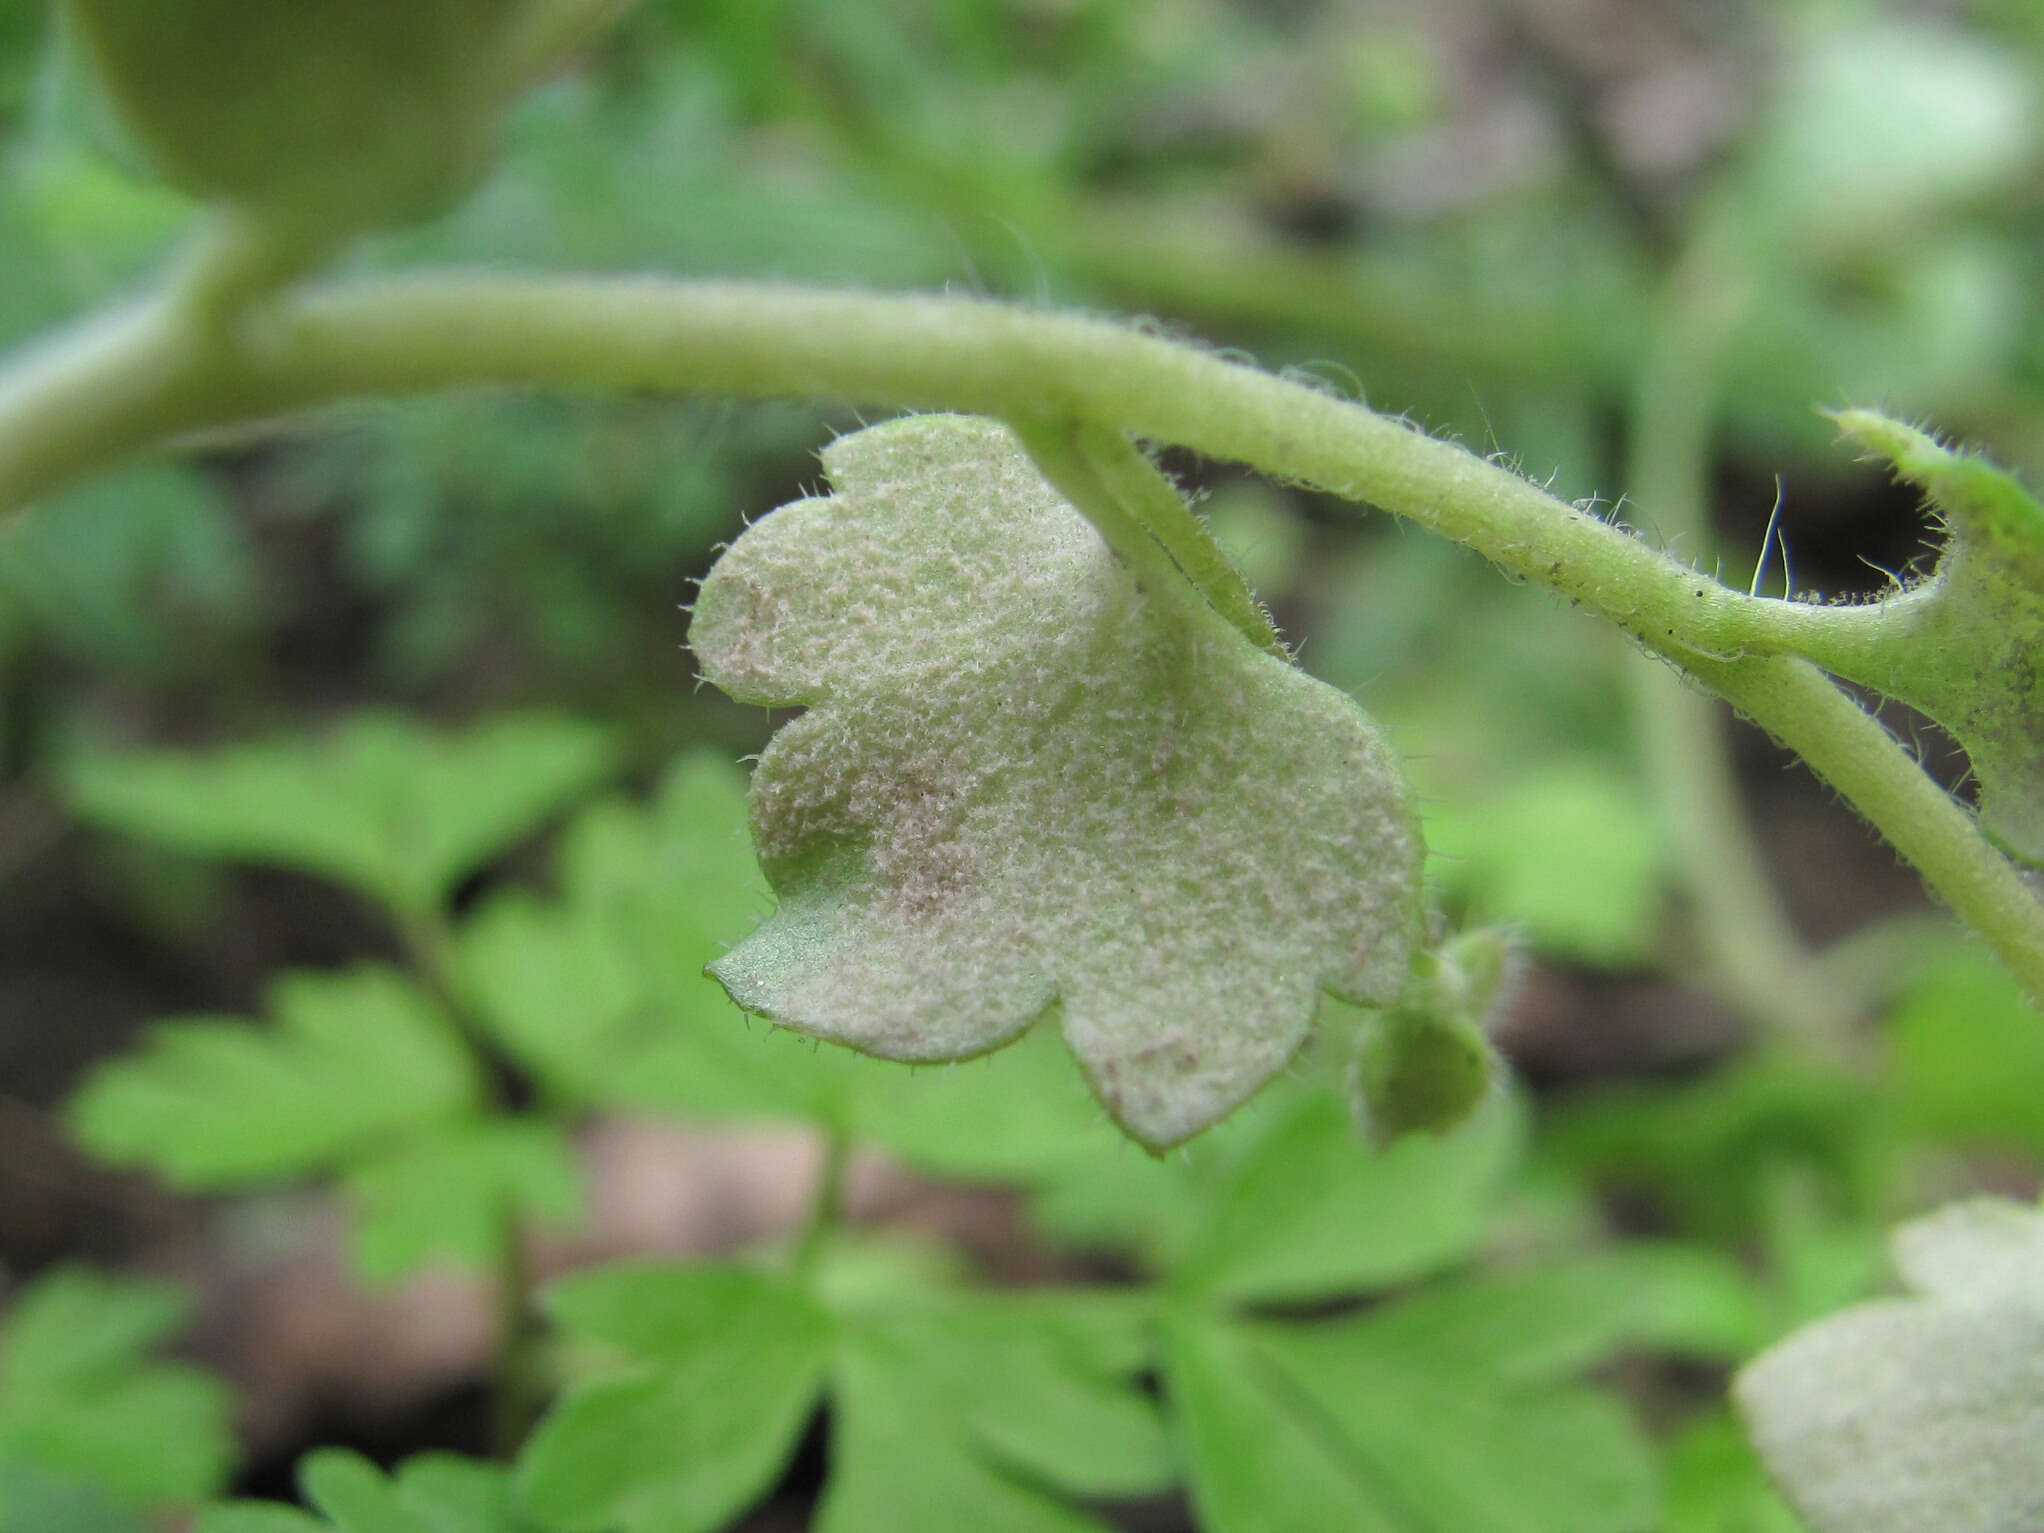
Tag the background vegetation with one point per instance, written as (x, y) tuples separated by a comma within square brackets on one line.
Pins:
[(443, 906)]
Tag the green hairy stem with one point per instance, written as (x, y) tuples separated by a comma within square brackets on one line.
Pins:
[(194, 360)]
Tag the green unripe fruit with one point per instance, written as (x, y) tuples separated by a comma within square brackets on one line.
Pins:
[(332, 114)]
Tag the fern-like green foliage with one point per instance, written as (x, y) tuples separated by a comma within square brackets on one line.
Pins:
[(352, 1062), (82, 1404), (431, 1493), (1455, 1407), (1004, 1405), (396, 811), (360, 1074), (1021, 783)]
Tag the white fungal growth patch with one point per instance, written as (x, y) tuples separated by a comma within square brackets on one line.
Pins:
[(1020, 783)]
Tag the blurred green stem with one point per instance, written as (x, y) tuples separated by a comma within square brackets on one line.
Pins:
[(518, 1388), (1750, 949), (119, 384), (518, 1391), (826, 1203)]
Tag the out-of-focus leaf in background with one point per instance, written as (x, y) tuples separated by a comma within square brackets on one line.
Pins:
[(429, 1493), (352, 1063), (392, 810), (452, 1194), (83, 1404), (998, 1402)]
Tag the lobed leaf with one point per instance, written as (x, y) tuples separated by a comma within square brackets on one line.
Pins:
[(354, 1062), (1029, 1389), (81, 1401), (1449, 1410), (1022, 787), (1312, 1212), (430, 1493), (398, 812), (731, 1363), (1452, 1408), (452, 1192), (1919, 1412), (1315, 1427), (948, 1409), (887, 1420)]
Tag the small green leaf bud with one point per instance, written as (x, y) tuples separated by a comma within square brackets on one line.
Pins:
[(1425, 1064)]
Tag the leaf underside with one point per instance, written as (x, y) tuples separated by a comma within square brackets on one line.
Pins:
[(1019, 783), (1923, 1412)]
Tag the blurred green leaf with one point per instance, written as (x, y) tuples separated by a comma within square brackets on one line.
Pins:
[(257, 1517), (602, 994), (1021, 1114), (949, 1409), (32, 1500), (1332, 1425), (1295, 1168), (1716, 1484), (1880, 124), (1568, 853), (354, 1062), (1563, 1316), (1446, 1410), (396, 811), (1314, 1211), (1000, 1411), (130, 573), (1710, 1153), (81, 1401), (1254, 1459), (454, 1192), (22, 29), (733, 1363), (1967, 1054), (1920, 330), (430, 1493), (993, 1390), (101, 226), (1819, 1251)]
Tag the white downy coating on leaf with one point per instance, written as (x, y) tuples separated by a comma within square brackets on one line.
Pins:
[(1919, 1414), (1019, 783)]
